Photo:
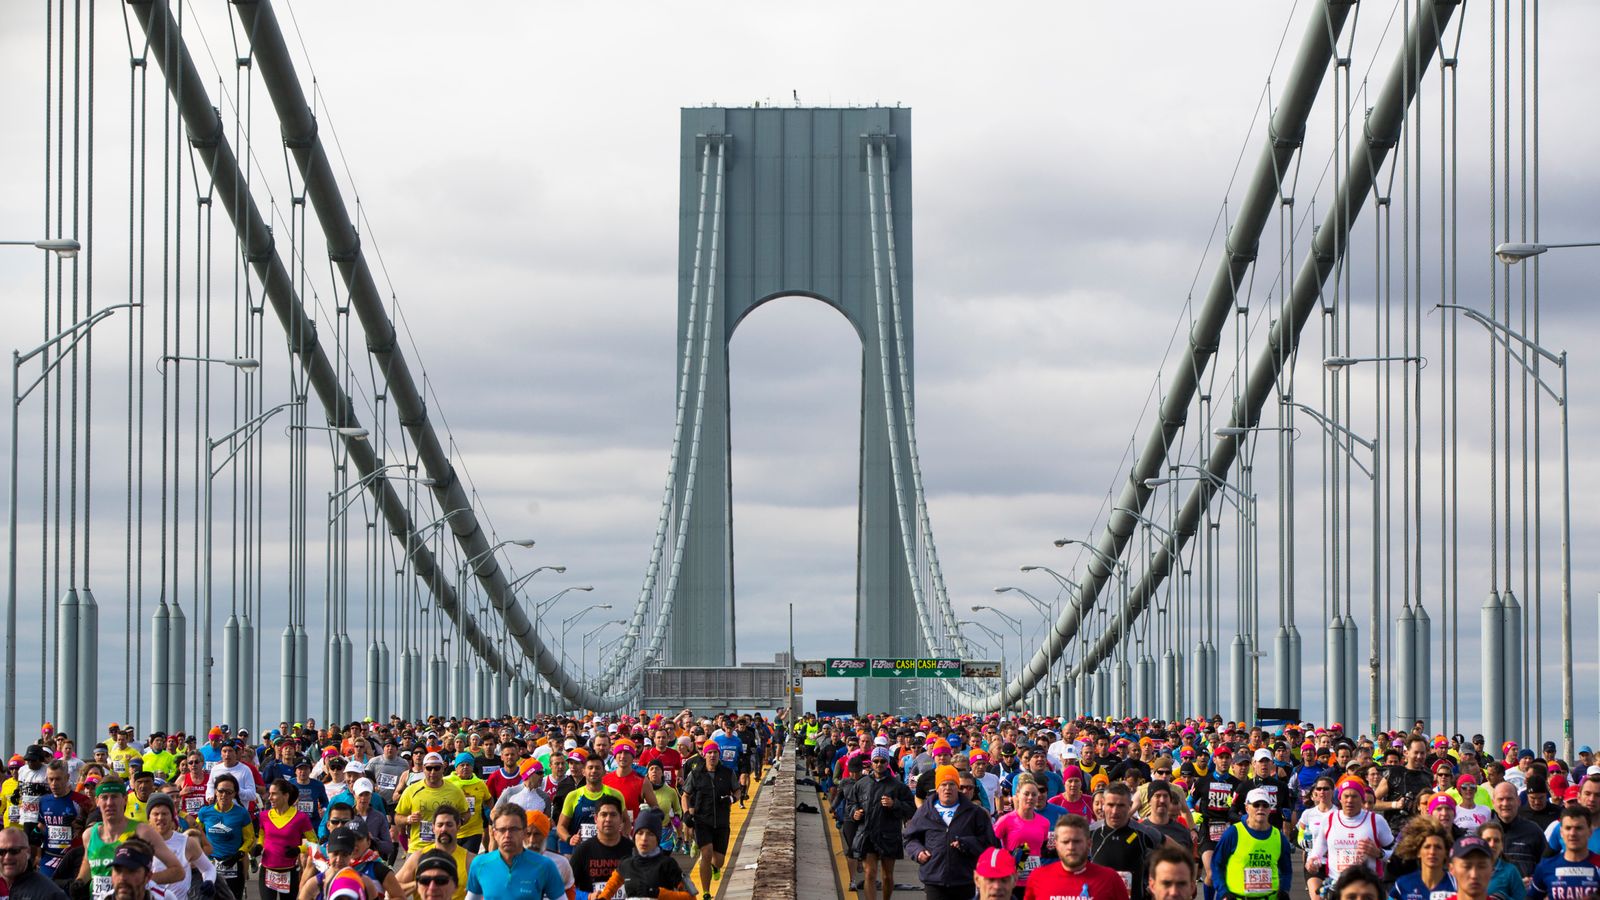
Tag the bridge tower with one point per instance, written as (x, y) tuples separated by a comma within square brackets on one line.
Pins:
[(781, 202)]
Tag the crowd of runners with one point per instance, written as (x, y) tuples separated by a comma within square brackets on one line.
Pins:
[(1134, 809), (641, 806), (556, 807)]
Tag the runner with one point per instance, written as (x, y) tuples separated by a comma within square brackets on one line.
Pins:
[(114, 828), (1575, 873), (416, 808), (1353, 836), (475, 815), (230, 829), (946, 836), (1074, 875)]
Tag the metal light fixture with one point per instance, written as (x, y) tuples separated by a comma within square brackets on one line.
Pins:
[(1513, 253), (66, 248)]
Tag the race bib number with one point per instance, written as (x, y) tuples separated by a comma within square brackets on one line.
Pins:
[(472, 806), (387, 782), (1217, 830), (1026, 867), (425, 832), (306, 806), (192, 805), (30, 809), (1257, 879), (58, 835), (1344, 858), (588, 830), (119, 766), (278, 881), (100, 886), (228, 870)]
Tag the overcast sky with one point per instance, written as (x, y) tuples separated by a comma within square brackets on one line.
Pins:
[(517, 169)]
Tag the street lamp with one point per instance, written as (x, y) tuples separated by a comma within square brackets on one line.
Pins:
[(1104, 557), (566, 625), (1505, 335), (245, 434), (75, 333), (540, 607), (559, 570), (243, 364), (349, 431), (1067, 584), (583, 661), (1513, 253), (1016, 625), (1334, 363), (65, 248)]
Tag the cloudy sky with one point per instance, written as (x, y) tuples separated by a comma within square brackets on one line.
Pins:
[(517, 170)]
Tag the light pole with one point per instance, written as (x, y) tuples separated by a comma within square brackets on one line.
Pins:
[(245, 434), (1511, 254), (65, 248), (566, 625), (1046, 612), (1067, 584), (1375, 616), (583, 661), (559, 570), (75, 333), (1505, 335), (461, 588), (242, 363), (1016, 625)]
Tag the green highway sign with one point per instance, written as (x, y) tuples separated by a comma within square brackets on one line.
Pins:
[(880, 667), (847, 667)]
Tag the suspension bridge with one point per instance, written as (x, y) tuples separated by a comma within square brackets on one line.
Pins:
[(1348, 300)]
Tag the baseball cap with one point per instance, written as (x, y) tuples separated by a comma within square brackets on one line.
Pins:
[(130, 858), (880, 741), (1585, 749), (341, 840), (1470, 845), (1261, 754), (1549, 747), (433, 759), (362, 786), (996, 863), (1258, 795), (35, 754), (356, 766)]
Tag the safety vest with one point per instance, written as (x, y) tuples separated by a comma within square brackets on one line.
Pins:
[(1253, 868), (812, 730)]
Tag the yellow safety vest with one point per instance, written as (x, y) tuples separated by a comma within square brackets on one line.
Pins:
[(1253, 868)]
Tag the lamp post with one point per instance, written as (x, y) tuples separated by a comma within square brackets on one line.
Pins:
[(1046, 612), (1505, 335), (566, 625), (583, 660), (1374, 473), (559, 570), (65, 248), (1513, 253), (242, 363), (461, 587), (75, 333), (245, 434), (1014, 622)]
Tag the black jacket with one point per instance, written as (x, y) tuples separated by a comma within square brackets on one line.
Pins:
[(710, 792), (969, 828), (882, 825), (1525, 844)]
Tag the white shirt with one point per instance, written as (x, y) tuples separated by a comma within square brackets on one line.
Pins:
[(241, 773), (1337, 842)]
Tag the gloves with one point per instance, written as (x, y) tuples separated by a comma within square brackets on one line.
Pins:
[(207, 890)]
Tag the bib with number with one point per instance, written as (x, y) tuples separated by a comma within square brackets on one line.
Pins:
[(58, 835), (278, 880), (1257, 879), (100, 886), (425, 832), (588, 830)]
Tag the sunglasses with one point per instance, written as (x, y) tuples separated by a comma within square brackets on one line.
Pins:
[(226, 792), (435, 880), (12, 851), (433, 768), (1259, 805)]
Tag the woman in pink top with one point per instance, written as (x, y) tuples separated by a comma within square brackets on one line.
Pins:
[(1024, 827), (1072, 799), (283, 829)]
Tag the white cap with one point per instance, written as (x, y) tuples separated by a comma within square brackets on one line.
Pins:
[(880, 741), (362, 786), (1261, 754), (1070, 752), (356, 766), (1259, 795), (570, 744), (432, 759)]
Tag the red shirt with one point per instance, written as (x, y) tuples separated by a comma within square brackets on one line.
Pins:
[(1057, 882), (631, 786), (498, 781), (671, 762)]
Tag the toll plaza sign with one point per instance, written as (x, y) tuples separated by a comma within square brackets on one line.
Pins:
[(879, 667)]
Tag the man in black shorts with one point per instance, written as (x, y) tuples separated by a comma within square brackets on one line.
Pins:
[(708, 795)]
